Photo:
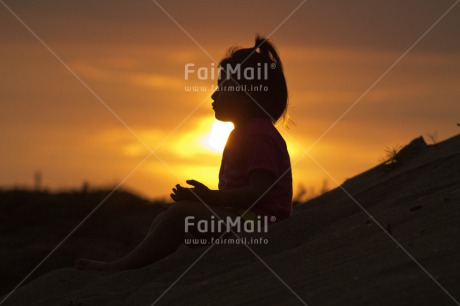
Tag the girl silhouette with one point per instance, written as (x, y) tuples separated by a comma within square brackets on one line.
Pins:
[(255, 176)]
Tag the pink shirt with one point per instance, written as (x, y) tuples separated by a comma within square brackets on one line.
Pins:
[(259, 145)]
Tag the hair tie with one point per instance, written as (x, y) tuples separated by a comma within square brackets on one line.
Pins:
[(261, 44)]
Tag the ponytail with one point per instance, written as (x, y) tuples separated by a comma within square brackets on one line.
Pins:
[(267, 50)]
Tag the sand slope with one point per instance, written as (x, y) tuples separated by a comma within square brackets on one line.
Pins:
[(328, 253)]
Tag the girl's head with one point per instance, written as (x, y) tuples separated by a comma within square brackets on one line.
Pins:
[(251, 84)]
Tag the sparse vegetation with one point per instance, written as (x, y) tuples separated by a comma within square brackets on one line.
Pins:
[(307, 193), (301, 195), (433, 137), (390, 157)]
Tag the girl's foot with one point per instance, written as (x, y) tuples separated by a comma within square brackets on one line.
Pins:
[(93, 265)]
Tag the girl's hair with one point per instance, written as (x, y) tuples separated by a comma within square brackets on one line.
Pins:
[(268, 86)]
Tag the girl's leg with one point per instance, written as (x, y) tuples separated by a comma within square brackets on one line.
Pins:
[(162, 239), (156, 221), (86, 264)]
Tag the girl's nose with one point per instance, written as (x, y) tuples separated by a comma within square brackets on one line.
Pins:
[(214, 95)]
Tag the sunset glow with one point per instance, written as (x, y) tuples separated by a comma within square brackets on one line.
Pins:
[(126, 95), (218, 136)]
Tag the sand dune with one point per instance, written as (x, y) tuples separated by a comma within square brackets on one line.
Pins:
[(330, 252)]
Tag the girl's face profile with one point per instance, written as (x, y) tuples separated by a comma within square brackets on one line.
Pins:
[(228, 105)]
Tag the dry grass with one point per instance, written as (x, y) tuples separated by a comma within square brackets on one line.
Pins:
[(390, 156)]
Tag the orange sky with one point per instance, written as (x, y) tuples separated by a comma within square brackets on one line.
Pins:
[(132, 56)]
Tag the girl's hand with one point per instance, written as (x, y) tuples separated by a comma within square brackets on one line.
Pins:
[(198, 193)]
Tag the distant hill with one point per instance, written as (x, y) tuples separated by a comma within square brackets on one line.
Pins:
[(404, 250)]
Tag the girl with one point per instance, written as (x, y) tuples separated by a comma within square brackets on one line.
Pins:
[(255, 175)]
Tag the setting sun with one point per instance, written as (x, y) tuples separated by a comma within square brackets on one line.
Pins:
[(217, 138)]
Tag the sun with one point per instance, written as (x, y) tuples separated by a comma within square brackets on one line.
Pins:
[(218, 136)]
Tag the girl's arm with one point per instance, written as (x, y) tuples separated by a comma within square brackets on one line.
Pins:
[(260, 181)]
